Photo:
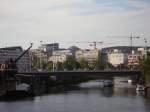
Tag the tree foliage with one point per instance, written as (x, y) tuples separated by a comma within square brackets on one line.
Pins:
[(98, 65), (145, 67), (50, 66), (70, 64), (59, 66), (83, 64)]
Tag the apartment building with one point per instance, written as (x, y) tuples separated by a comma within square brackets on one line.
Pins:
[(88, 55), (60, 56), (8, 53), (117, 58)]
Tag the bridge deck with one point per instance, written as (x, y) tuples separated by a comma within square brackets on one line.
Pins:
[(120, 73)]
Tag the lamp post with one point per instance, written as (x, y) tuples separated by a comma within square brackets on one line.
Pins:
[(30, 58), (53, 56), (41, 42), (145, 40)]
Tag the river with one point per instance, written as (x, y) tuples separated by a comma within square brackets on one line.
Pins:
[(86, 97)]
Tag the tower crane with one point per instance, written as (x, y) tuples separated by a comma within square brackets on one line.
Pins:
[(131, 40), (94, 43)]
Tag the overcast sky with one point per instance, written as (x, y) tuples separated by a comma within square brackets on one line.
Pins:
[(70, 21)]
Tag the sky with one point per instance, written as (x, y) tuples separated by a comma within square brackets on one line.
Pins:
[(72, 21)]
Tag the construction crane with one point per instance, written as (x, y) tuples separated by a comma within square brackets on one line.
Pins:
[(145, 40), (131, 40), (20, 56), (12, 64), (94, 43)]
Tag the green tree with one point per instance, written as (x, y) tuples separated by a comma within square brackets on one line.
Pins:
[(98, 65), (43, 65), (59, 66), (83, 64), (50, 66), (70, 64), (145, 67)]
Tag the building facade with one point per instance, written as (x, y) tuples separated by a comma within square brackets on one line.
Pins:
[(60, 56), (8, 53), (88, 55), (117, 59), (38, 59), (134, 60), (49, 48)]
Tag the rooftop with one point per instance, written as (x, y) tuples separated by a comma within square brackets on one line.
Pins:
[(12, 48)]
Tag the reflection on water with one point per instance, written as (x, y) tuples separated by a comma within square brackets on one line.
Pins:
[(86, 97)]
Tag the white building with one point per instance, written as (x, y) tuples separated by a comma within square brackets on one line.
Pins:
[(8, 53), (88, 55), (117, 58), (60, 56)]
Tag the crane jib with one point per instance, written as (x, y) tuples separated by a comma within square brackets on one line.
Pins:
[(18, 58)]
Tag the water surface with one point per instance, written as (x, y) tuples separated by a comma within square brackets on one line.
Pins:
[(86, 97)]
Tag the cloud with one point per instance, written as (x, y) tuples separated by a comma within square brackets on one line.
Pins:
[(97, 6), (23, 21)]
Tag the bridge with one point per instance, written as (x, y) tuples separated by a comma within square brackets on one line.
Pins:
[(38, 79), (103, 73)]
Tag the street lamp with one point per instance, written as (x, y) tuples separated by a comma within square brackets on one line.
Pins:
[(53, 56), (30, 58), (145, 40), (41, 42)]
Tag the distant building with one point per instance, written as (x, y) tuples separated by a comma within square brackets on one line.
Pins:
[(8, 53), (119, 54), (134, 59), (73, 50), (117, 59), (104, 58), (123, 49), (38, 58), (88, 55), (60, 56), (143, 51), (49, 48)]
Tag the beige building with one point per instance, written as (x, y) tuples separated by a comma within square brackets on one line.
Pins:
[(60, 56), (38, 57), (88, 55)]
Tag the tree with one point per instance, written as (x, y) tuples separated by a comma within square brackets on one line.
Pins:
[(43, 65), (83, 64), (59, 66), (145, 67), (50, 66), (70, 64), (98, 65)]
